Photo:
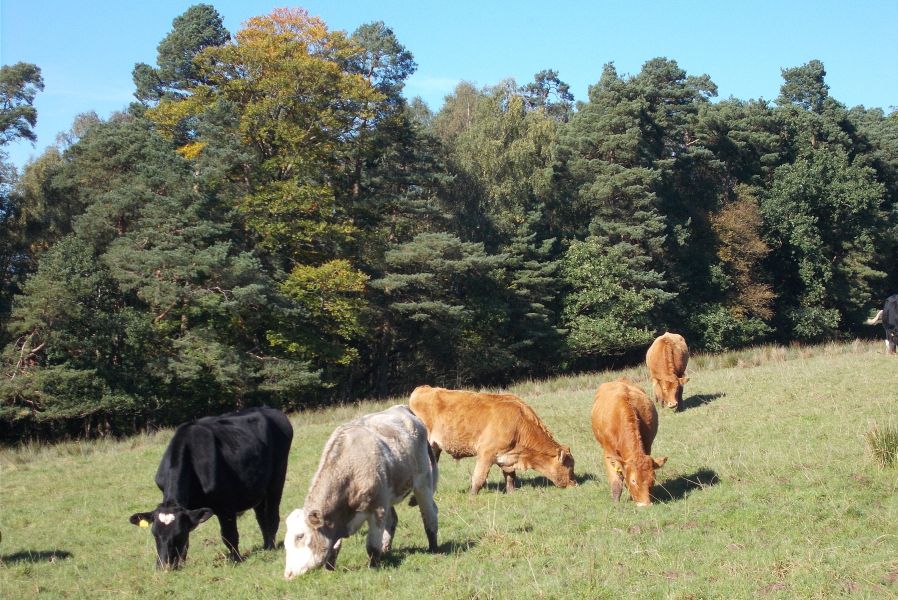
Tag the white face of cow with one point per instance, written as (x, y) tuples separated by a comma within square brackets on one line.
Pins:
[(306, 547)]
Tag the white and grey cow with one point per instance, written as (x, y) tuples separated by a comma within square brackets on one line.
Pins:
[(366, 467)]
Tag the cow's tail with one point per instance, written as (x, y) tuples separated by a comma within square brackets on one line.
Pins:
[(434, 474), (434, 469)]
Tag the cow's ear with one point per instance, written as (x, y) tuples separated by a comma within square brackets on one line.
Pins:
[(198, 516), (314, 518), (143, 519), (659, 462)]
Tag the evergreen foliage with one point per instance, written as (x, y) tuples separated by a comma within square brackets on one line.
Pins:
[(274, 222)]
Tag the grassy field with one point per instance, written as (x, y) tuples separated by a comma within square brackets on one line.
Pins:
[(770, 492)]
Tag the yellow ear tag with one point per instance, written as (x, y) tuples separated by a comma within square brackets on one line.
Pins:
[(144, 523)]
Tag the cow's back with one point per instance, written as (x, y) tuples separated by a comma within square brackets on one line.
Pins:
[(460, 422), (395, 432), (225, 462), (620, 411), (667, 356), (374, 458)]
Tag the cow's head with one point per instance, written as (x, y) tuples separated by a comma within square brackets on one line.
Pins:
[(563, 468), (171, 526), (307, 545), (639, 477), (669, 391)]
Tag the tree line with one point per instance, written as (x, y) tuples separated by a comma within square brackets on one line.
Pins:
[(272, 221)]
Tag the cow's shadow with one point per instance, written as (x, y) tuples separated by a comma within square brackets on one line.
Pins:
[(35, 556), (396, 556), (535, 481), (701, 399), (679, 487)]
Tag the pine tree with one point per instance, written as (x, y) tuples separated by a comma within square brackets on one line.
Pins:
[(609, 153), (176, 73), (146, 310), (443, 318)]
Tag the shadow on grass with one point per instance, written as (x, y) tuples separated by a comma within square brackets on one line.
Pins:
[(35, 556), (396, 556), (536, 481), (679, 488), (701, 399)]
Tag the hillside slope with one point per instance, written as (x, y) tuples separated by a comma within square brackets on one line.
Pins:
[(769, 492)]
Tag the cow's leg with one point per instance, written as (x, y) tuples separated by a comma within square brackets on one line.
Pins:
[(615, 478), (481, 470), (890, 347), (229, 535), (375, 537), (428, 508), (330, 561), (679, 406), (656, 391), (391, 519), (267, 512), (509, 480), (268, 519)]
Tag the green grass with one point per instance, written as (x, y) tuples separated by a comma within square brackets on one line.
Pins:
[(771, 492), (883, 443)]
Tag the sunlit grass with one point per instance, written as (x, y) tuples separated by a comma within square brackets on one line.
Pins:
[(771, 491), (883, 443)]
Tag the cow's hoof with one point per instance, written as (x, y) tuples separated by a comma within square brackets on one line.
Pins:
[(432, 542), (373, 557)]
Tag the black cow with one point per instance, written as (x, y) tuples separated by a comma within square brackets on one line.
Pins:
[(890, 323), (223, 466)]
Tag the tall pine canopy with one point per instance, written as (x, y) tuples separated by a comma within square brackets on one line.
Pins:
[(275, 221)]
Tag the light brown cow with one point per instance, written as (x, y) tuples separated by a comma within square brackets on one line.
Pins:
[(666, 359), (625, 422), (496, 428)]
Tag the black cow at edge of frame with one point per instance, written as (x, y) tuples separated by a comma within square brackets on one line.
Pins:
[(220, 465), (888, 316)]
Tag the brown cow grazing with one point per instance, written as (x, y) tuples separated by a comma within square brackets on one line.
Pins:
[(625, 422), (496, 428), (666, 359)]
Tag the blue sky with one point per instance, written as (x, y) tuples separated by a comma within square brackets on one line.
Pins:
[(86, 50)]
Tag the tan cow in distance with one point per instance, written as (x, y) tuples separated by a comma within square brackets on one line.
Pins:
[(496, 428), (625, 422), (666, 359)]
